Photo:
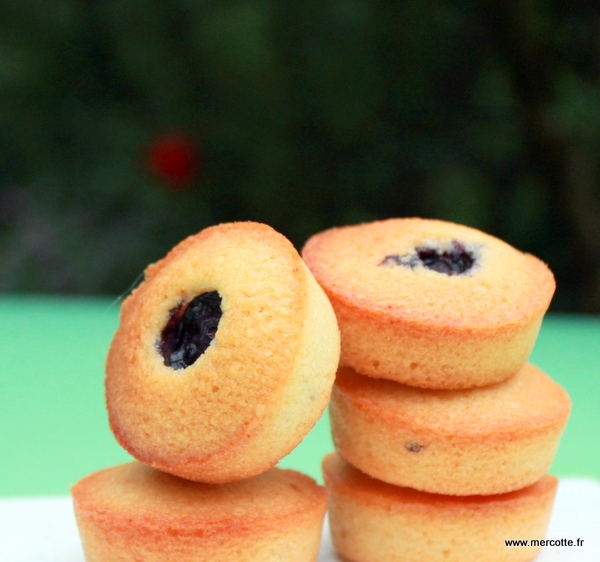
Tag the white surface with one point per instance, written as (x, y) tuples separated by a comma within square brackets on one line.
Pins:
[(44, 530)]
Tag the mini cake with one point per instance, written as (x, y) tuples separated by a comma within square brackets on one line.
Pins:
[(430, 303), (224, 357), (132, 512), (486, 440), (371, 521)]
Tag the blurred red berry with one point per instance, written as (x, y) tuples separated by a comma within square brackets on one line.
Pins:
[(174, 159)]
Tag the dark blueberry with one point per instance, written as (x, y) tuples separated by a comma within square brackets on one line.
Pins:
[(454, 261), (413, 447), (190, 329)]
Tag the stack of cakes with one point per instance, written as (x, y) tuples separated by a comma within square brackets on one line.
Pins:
[(444, 432), (223, 360)]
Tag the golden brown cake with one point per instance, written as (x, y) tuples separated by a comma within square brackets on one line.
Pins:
[(487, 440), (133, 513), (430, 303), (371, 521), (224, 357)]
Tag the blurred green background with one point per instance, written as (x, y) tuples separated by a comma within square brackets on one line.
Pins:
[(127, 125)]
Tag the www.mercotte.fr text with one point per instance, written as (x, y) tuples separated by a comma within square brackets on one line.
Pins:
[(543, 542)]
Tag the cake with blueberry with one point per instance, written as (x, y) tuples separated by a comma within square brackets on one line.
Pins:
[(478, 441), (430, 303), (224, 357)]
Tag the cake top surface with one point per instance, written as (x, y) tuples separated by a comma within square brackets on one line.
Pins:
[(429, 271), (528, 402), (137, 493)]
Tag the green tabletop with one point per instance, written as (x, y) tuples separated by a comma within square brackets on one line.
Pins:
[(53, 422)]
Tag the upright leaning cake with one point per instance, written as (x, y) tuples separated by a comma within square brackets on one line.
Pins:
[(452, 430), (224, 357)]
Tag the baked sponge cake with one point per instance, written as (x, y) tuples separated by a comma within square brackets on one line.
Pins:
[(487, 440), (371, 521), (430, 303), (132, 512), (224, 357)]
